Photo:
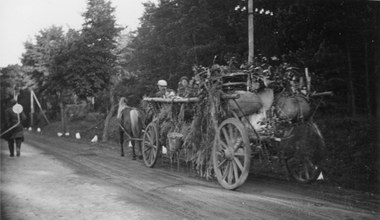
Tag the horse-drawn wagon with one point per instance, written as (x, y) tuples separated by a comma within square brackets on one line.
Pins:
[(244, 124)]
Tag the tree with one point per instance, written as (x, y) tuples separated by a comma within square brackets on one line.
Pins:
[(97, 61), (46, 61), (175, 35), (95, 57), (39, 56)]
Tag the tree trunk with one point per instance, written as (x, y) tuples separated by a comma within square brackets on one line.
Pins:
[(350, 82), (367, 89), (62, 108), (109, 116)]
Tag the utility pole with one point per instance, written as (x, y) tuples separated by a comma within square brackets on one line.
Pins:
[(251, 46), (31, 108)]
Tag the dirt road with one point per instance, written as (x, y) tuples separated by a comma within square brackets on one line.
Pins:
[(59, 179)]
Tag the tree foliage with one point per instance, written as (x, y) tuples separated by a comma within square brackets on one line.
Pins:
[(81, 62), (336, 40), (328, 37), (39, 55), (175, 35), (96, 58)]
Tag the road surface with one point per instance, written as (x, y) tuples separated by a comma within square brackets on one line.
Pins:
[(58, 178)]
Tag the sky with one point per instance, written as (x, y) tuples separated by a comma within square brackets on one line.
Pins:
[(21, 20)]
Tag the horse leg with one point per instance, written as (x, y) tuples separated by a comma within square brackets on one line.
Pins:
[(138, 144), (177, 154), (133, 150), (121, 132)]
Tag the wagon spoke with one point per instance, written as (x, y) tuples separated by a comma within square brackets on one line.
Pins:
[(237, 144), (147, 133), (153, 146), (154, 149), (226, 171), (153, 152), (230, 131), (238, 163), (147, 149), (151, 136), (148, 144), (226, 137), (149, 139), (224, 145), (150, 157), (235, 171), (223, 161), (230, 173), (239, 153)]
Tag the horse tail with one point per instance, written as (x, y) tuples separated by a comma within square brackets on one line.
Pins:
[(134, 115), (122, 106)]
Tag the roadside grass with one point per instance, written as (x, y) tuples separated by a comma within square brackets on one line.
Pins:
[(352, 150)]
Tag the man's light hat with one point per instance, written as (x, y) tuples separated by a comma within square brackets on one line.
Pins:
[(162, 83)]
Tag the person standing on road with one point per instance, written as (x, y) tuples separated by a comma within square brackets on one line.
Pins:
[(16, 135)]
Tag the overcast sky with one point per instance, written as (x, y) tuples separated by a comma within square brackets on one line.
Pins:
[(21, 20)]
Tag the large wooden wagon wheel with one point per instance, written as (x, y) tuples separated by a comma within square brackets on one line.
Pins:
[(304, 168), (231, 154), (150, 147)]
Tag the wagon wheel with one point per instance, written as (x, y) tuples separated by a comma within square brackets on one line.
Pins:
[(150, 147), (304, 168), (231, 154)]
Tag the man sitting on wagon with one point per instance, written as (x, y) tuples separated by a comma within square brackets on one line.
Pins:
[(163, 91), (183, 87)]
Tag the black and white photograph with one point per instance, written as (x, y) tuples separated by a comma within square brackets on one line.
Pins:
[(189, 109)]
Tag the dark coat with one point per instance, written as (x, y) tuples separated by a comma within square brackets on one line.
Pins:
[(10, 120)]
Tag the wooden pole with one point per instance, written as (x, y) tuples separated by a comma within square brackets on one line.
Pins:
[(31, 108), (308, 79), (62, 107), (251, 46), (39, 105), (14, 93)]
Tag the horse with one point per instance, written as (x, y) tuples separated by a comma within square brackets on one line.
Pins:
[(131, 124)]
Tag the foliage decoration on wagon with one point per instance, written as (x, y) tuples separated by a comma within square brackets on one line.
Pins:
[(198, 122)]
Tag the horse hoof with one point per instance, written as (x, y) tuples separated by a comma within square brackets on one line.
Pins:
[(134, 158), (141, 157)]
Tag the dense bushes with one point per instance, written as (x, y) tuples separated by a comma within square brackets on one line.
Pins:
[(352, 152)]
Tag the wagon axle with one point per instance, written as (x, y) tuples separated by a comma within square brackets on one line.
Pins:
[(230, 152)]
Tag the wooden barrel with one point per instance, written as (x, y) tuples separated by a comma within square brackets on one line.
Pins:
[(249, 103), (292, 107)]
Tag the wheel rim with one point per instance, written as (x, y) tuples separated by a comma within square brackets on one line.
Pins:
[(231, 154), (302, 169), (150, 145)]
